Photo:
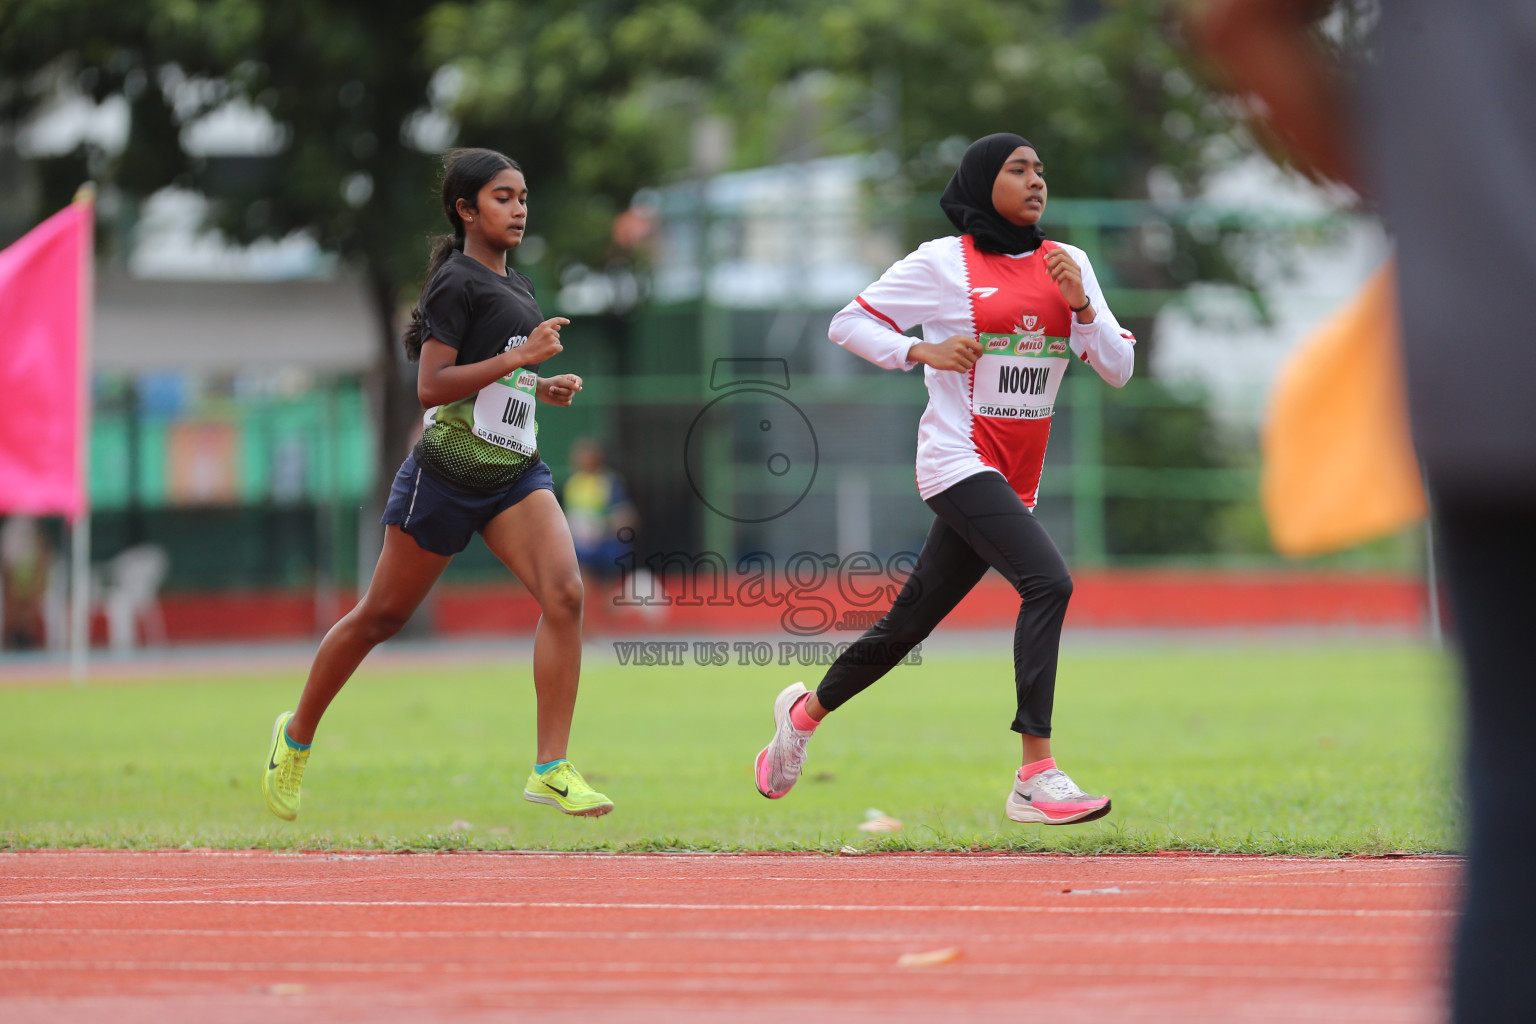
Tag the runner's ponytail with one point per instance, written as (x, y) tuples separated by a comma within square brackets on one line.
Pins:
[(465, 173)]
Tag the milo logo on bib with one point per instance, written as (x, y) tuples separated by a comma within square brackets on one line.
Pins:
[(504, 412), (1027, 344)]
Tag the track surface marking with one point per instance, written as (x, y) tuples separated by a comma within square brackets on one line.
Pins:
[(242, 936)]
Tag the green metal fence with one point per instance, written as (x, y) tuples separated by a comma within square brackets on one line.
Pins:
[(302, 462)]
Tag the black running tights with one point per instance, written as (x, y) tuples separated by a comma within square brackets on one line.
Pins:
[(981, 524)]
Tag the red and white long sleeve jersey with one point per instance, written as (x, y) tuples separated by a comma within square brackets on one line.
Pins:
[(997, 415)]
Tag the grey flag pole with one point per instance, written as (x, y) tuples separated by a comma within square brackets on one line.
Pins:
[(80, 529), (79, 596)]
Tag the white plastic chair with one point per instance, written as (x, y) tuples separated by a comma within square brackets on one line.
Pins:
[(132, 593)]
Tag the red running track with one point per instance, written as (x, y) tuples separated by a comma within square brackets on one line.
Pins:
[(254, 936)]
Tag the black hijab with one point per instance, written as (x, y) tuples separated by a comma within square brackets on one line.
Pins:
[(967, 199)]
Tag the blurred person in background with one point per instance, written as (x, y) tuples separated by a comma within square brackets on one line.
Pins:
[(1440, 130), (479, 337), (25, 561), (1004, 313), (602, 519)]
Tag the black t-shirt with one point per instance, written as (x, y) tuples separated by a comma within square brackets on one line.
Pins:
[(471, 308), (481, 313)]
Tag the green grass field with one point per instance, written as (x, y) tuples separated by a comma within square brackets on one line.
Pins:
[(1321, 750)]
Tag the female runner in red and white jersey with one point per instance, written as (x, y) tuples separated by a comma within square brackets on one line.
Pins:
[(1003, 312)]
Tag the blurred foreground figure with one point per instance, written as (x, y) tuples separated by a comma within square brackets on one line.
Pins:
[(1446, 141)]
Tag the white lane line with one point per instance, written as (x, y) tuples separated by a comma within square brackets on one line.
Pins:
[(905, 936), (985, 857), (203, 885), (1215, 971), (202, 881), (842, 908)]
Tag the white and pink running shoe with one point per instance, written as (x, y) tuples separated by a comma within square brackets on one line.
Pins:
[(1050, 797), (778, 765)]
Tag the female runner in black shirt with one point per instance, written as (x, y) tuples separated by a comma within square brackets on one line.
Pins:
[(480, 337)]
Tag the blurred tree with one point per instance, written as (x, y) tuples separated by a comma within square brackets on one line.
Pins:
[(1106, 98), (595, 98), (344, 84), (600, 98)]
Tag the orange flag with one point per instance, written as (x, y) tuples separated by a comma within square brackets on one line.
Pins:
[(1339, 465)]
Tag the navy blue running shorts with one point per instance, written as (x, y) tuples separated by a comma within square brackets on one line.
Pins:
[(442, 519)]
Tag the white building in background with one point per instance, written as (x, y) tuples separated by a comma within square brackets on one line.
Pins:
[(170, 243), (798, 234)]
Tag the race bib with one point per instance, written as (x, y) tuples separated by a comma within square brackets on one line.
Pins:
[(504, 412), (1018, 375)]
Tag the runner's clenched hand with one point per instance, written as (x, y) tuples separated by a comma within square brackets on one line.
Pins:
[(543, 343), (958, 353), (1068, 277)]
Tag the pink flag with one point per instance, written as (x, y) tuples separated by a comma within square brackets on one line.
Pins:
[(45, 294)]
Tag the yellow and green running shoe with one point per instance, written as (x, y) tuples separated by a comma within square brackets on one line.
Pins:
[(563, 787), (284, 771)]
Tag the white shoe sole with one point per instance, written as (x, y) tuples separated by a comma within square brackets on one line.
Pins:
[(590, 812), (781, 705), (1026, 814)]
